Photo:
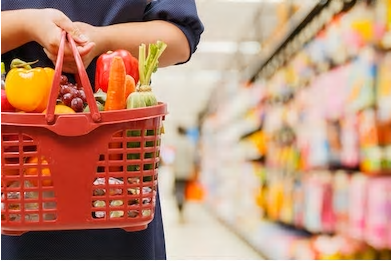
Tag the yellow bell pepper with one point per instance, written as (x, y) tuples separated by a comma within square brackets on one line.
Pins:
[(28, 89)]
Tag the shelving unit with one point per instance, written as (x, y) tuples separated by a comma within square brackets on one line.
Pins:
[(293, 162)]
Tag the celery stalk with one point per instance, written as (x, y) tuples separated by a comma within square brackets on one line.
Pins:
[(141, 63), (148, 64)]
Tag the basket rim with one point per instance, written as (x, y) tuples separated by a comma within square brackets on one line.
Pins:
[(82, 123), (35, 119)]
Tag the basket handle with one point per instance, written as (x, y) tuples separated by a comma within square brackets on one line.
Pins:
[(82, 75)]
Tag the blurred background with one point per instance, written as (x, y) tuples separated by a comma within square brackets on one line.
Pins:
[(288, 104)]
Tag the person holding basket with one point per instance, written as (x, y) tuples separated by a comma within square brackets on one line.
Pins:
[(31, 30)]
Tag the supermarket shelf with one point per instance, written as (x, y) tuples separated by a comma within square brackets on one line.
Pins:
[(301, 229), (297, 25), (264, 233), (232, 188), (378, 173)]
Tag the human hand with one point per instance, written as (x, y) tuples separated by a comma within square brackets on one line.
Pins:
[(69, 64), (46, 27), (88, 51), (93, 34)]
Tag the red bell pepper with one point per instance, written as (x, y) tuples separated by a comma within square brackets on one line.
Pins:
[(103, 67)]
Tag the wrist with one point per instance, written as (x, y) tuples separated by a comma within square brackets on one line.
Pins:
[(102, 40), (115, 37), (31, 25)]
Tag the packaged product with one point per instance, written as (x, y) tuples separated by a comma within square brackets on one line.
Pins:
[(357, 205), (341, 201), (377, 215)]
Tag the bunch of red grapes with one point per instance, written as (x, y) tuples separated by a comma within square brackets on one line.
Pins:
[(72, 95)]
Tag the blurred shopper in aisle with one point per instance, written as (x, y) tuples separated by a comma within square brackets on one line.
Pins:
[(31, 30), (183, 167)]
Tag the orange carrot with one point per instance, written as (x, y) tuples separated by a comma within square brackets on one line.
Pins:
[(130, 85), (116, 99)]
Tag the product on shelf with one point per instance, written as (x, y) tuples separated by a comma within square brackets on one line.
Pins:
[(383, 98), (357, 205), (341, 201), (378, 215)]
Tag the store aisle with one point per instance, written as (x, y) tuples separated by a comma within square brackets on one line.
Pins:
[(201, 236)]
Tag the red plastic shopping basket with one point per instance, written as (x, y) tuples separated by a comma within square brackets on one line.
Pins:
[(79, 171)]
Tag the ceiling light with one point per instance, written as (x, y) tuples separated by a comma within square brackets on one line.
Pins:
[(217, 47), (252, 1), (250, 47)]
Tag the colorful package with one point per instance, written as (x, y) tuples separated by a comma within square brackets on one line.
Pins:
[(313, 203), (377, 214), (357, 205), (361, 81), (367, 128), (341, 201), (383, 98), (350, 152)]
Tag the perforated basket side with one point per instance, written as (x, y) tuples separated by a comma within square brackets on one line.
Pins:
[(27, 193), (75, 163)]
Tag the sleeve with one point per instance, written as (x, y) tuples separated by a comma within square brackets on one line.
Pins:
[(182, 13)]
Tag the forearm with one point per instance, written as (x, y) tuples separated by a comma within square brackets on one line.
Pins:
[(14, 29), (130, 35)]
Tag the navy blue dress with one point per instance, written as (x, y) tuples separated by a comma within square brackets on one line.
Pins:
[(106, 243)]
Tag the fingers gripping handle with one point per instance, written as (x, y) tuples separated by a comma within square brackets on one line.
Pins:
[(82, 74), (85, 82)]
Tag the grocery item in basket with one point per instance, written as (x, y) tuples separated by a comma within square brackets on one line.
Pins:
[(133, 191), (5, 104), (116, 99), (16, 195), (100, 106), (130, 85), (112, 181), (34, 83), (100, 99), (72, 95), (147, 155), (34, 170), (103, 66), (113, 214), (3, 73), (118, 213), (143, 96), (61, 109), (119, 202), (99, 204)]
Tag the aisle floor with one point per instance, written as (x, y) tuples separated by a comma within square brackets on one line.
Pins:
[(201, 236)]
